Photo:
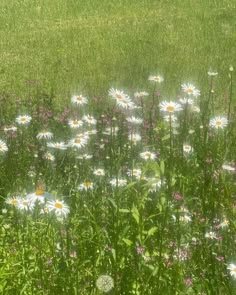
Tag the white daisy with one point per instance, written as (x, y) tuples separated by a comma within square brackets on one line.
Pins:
[(134, 120), (228, 167), (57, 145), (190, 89), (232, 268), (77, 142), (13, 200), (118, 182), (134, 137), (91, 132), (140, 94), (23, 119), (85, 157), (79, 100), (49, 156), (195, 109), (167, 118), (218, 122), (187, 148), (39, 196), (75, 123), (224, 223), (10, 129), (85, 186), (210, 235), (3, 147), (125, 103), (99, 172), (117, 94), (210, 73), (111, 130), (89, 119), (25, 204), (135, 173), (148, 155), (185, 100), (58, 207), (170, 106), (185, 218), (157, 78), (45, 135), (154, 185)]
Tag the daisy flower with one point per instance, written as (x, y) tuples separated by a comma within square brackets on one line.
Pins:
[(134, 120), (77, 142), (118, 182), (11, 129), (117, 94), (210, 235), (49, 156), (25, 204), (99, 172), (187, 148), (85, 186), (154, 185), (111, 130), (23, 119), (148, 155), (185, 100), (185, 218), (212, 74), (190, 89), (228, 167), (134, 137), (224, 223), (218, 122), (140, 94), (79, 100), (57, 145), (195, 109), (39, 195), (135, 173), (13, 200), (75, 123), (125, 103), (45, 135), (3, 147), (167, 118), (157, 78), (58, 207), (89, 119), (85, 157), (91, 132), (170, 106), (232, 268)]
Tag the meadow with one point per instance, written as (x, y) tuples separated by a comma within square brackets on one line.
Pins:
[(117, 147)]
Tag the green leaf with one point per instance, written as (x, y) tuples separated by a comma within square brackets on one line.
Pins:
[(152, 231), (135, 214), (127, 242), (124, 210)]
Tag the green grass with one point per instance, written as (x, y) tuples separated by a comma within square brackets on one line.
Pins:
[(90, 46)]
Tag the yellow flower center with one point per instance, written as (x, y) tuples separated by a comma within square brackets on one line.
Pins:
[(39, 192), (14, 202), (23, 119), (218, 123), (58, 205), (25, 203), (77, 140), (170, 108), (148, 155), (87, 184), (189, 90), (79, 98), (75, 122), (118, 96)]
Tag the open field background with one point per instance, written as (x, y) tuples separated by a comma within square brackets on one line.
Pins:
[(65, 46), (103, 190)]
